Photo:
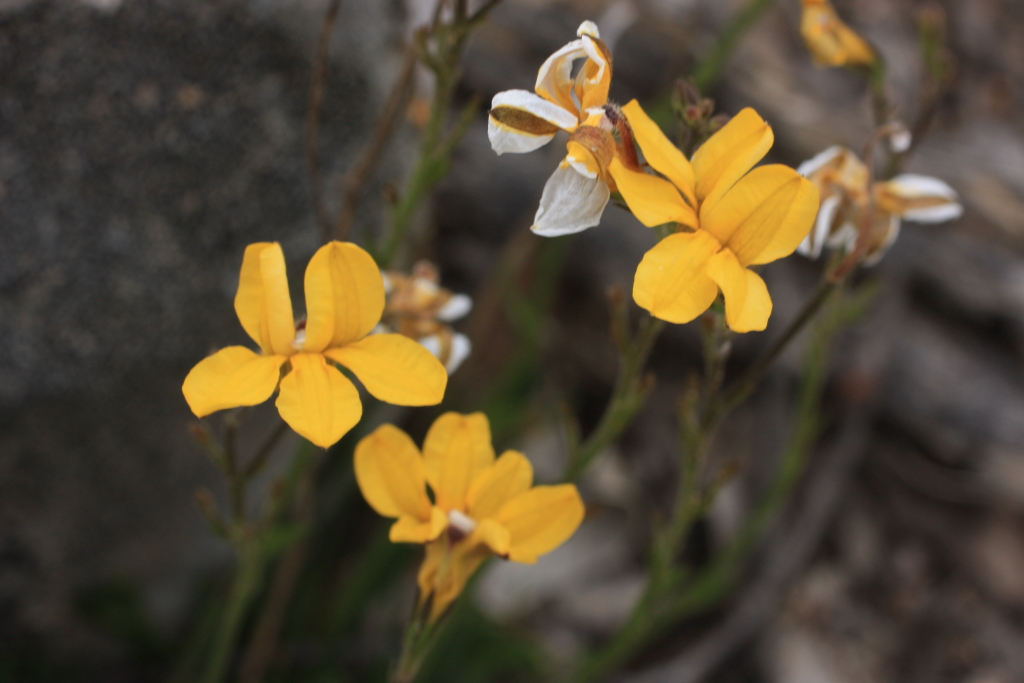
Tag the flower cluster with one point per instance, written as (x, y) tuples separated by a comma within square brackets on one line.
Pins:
[(481, 505), (419, 308), (520, 121), (850, 202), (344, 302), (727, 219)]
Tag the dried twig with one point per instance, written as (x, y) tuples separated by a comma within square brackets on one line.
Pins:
[(354, 181), (316, 100)]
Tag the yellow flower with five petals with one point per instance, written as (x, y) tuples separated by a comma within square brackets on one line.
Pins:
[(482, 506), (730, 217), (344, 302)]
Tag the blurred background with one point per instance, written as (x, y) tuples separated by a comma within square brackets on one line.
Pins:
[(143, 144)]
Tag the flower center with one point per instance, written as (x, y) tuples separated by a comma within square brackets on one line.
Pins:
[(459, 525), (300, 335)]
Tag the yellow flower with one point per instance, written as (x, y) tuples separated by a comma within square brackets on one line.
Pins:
[(521, 121), (842, 179), (419, 308), (733, 219), (481, 506), (344, 301), (829, 40)]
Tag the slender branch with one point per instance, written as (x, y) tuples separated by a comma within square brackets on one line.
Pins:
[(627, 398), (244, 586), (316, 99), (259, 459), (741, 387), (260, 652), (355, 180)]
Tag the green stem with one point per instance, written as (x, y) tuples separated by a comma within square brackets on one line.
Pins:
[(706, 72), (627, 398), (244, 587)]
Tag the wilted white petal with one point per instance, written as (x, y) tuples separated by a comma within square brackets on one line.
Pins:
[(912, 186), (815, 240), (820, 160), (845, 237), (595, 54), (507, 134), (507, 139), (570, 203), (554, 78), (388, 285), (890, 237), (460, 350), (456, 307), (381, 328)]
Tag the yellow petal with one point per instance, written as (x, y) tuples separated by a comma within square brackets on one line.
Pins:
[(510, 475), (671, 281), (768, 212), (344, 296), (389, 471), (263, 304), (652, 200), (747, 304), (492, 534), (317, 401), (795, 227), (412, 530), (728, 154), (232, 377), (457, 449), (660, 153), (595, 77), (395, 369), (540, 520)]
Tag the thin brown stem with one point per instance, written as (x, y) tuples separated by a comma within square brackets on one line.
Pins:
[(263, 646), (740, 388), (316, 100), (354, 181), (259, 458)]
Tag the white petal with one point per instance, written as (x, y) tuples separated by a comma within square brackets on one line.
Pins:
[(815, 240), (432, 344), (588, 28), (894, 231), (505, 139), (388, 285), (381, 328), (913, 185), (538, 106), (910, 186), (935, 214), (570, 203), (458, 306), (460, 350), (819, 160)]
